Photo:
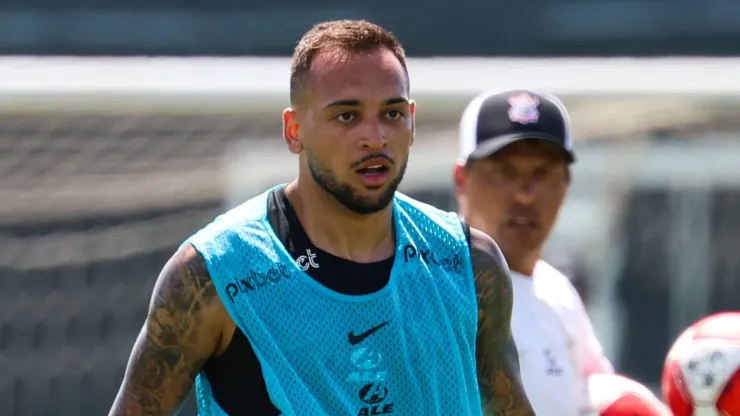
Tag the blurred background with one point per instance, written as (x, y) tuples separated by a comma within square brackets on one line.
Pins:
[(109, 159)]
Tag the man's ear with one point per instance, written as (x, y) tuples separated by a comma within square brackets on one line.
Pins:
[(412, 116), (459, 176), (290, 131)]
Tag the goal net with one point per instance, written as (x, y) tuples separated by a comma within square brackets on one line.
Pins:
[(106, 165)]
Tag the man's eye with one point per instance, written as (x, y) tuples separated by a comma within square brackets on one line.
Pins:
[(540, 174), (508, 174), (346, 117), (395, 115)]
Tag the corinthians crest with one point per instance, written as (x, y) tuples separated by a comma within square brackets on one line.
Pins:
[(524, 108)]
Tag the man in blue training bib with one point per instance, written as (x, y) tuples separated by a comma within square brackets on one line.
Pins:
[(334, 294)]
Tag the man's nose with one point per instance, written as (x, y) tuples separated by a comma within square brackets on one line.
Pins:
[(373, 136), (524, 193)]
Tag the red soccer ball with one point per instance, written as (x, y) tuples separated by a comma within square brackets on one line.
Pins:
[(701, 375), (615, 395)]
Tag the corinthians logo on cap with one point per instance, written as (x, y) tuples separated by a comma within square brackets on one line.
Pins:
[(524, 108)]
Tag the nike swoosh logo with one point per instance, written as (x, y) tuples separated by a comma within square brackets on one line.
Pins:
[(356, 339)]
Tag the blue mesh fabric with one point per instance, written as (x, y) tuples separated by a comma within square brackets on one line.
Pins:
[(420, 362)]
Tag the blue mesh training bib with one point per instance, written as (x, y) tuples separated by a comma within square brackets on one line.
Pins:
[(407, 350)]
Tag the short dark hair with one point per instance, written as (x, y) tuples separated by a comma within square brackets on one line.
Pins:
[(341, 35)]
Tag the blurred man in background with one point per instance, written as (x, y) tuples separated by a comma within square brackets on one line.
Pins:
[(514, 172), (333, 295)]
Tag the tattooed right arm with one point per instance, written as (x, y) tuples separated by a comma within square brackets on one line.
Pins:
[(181, 332)]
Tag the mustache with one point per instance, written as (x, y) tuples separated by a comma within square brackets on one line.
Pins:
[(357, 163), (523, 211)]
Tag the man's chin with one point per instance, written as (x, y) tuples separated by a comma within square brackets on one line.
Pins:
[(520, 241), (365, 203)]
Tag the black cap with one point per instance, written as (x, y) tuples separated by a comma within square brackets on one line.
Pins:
[(494, 120)]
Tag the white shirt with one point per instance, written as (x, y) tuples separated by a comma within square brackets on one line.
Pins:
[(556, 342)]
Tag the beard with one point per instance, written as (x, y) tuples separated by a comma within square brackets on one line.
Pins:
[(348, 196)]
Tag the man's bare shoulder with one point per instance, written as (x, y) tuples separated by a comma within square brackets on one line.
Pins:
[(185, 292), (489, 264), (184, 280), (492, 281), (183, 330)]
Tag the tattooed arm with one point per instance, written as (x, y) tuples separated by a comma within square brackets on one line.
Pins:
[(182, 330), (497, 359)]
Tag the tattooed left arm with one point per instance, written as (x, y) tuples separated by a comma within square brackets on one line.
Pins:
[(497, 358)]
